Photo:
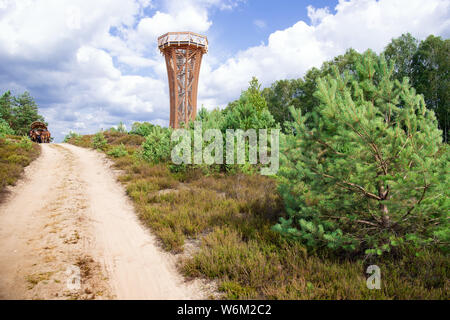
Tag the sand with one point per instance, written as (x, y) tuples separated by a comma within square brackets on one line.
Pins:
[(67, 219)]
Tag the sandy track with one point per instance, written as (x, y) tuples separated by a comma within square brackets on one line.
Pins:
[(69, 212)]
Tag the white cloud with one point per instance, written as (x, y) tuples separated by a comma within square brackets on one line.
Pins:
[(189, 18), (316, 15), (94, 63), (33, 29)]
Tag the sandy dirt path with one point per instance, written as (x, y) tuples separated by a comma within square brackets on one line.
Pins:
[(69, 219)]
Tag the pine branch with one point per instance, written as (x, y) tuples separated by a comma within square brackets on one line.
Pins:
[(373, 146), (340, 182), (330, 147), (417, 204), (359, 221)]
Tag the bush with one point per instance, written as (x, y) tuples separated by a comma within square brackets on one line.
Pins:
[(25, 143), (118, 152), (129, 140), (70, 136), (157, 146), (84, 141), (142, 129), (5, 128), (15, 154), (99, 141), (365, 172)]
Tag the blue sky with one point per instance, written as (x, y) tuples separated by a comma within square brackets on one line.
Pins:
[(252, 22), (91, 64)]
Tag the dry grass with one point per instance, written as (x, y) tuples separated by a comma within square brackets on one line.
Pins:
[(82, 141), (232, 216), (14, 157), (34, 279), (263, 269)]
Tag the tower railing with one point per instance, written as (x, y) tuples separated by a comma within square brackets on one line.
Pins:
[(183, 38)]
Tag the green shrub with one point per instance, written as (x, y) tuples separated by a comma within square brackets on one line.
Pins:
[(157, 146), (22, 160), (142, 129), (5, 128), (70, 136), (25, 143), (119, 151), (369, 171), (99, 141)]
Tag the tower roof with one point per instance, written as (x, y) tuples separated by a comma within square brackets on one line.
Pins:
[(183, 39)]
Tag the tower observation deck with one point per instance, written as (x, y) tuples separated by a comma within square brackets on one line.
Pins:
[(183, 52)]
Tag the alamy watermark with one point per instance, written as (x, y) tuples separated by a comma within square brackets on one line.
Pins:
[(208, 147), (73, 281), (374, 280)]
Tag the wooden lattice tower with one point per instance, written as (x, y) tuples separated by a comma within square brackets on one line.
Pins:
[(183, 52)]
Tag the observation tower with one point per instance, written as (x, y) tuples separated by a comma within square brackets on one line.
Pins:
[(183, 52)]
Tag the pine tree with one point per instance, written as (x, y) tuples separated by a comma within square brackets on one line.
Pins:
[(250, 111), (366, 169), (24, 112), (255, 96)]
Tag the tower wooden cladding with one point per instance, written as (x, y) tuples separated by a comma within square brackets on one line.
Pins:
[(183, 52)]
